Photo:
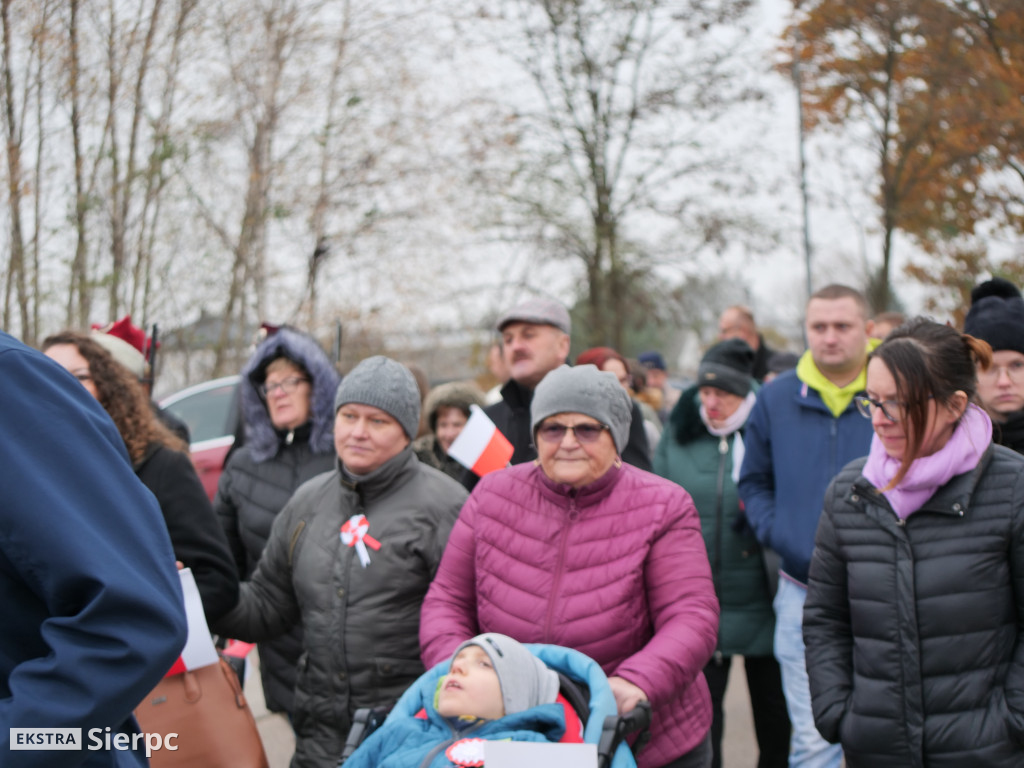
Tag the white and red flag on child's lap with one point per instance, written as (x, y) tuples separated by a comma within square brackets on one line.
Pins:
[(480, 445)]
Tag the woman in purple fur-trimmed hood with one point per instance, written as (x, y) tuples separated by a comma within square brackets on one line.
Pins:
[(287, 395), (580, 550)]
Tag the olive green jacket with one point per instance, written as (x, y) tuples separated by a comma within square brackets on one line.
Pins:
[(700, 462), (360, 622)]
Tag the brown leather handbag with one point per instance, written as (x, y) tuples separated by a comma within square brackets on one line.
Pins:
[(207, 709)]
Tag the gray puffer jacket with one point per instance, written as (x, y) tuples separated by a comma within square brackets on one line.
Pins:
[(913, 628), (263, 474), (361, 623)]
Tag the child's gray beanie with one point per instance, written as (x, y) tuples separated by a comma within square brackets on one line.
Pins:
[(383, 383), (525, 680), (584, 389)]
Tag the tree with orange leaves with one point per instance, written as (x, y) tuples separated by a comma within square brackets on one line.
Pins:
[(936, 84)]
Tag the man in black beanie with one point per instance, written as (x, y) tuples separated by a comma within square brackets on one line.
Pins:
[(997, 316)]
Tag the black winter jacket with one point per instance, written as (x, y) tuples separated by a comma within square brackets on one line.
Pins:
[(197, 539), (915, 648), (361, 624), (263, 474)]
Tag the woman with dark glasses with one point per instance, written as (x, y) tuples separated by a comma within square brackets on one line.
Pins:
[(581, 550), (916, 595)]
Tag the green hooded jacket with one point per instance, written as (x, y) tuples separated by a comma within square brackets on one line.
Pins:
[(703, 464)]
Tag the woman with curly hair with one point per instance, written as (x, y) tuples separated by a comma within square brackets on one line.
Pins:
[(160, 460)]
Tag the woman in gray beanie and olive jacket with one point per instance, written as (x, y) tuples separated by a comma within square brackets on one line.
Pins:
[(351, 556)]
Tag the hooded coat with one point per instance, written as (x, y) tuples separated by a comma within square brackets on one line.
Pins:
[(703, 464), (263, 474), (455, 394)]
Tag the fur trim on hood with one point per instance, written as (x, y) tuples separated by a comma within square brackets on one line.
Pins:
[(261, 438), (455, 394)]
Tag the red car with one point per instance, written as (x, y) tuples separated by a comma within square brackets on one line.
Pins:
[(211, 412)]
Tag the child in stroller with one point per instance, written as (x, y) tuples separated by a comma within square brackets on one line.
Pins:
[(495, 689)]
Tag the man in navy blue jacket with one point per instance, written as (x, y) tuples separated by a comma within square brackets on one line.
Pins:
[(92, 606), (804, 428)]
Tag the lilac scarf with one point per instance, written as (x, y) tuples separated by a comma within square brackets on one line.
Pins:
[(960, 454)]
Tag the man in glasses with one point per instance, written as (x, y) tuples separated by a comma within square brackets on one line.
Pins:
[(535, 341), (803, 429), (997, 316)]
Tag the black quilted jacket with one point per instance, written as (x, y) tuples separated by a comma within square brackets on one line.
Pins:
[(914, 628), (263, 474)]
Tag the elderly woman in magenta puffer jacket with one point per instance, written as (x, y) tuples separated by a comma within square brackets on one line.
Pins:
[(581, 550)]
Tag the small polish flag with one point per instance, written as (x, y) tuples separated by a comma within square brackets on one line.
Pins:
[(198, 651), (480, 445)]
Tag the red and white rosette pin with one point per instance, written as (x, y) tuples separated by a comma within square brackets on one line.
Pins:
[(354, 533), (466, 752)]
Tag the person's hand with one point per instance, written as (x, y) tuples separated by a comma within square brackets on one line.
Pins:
[(181, 565), (627, 695)]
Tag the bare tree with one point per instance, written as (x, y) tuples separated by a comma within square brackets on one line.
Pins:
[(620, 141), (12, 123)]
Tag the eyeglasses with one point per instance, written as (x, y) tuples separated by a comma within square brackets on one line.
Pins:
[(1014, 372), (893, 410), (287, 386), (584, 433)]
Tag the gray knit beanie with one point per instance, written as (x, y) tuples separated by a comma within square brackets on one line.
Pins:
[(525, 680), (383, 383), (584, 389)]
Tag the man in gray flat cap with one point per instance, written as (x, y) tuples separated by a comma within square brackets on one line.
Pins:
[(535, 341)]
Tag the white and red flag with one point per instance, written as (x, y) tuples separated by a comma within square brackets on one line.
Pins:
[(198, 651), (480, 445)]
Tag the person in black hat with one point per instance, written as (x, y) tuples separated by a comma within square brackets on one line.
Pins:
[(997, 316), (702, 450)]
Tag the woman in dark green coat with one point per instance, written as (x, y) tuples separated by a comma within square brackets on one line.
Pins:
[(701, 449)]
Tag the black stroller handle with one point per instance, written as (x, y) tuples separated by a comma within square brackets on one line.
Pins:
[(637, 719), (617, 727)]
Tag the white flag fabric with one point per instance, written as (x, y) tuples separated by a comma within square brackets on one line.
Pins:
[(480, 445), (198, 651)]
